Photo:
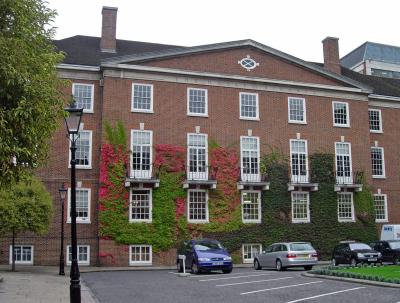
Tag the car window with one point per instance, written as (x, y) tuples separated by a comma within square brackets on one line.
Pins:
[(284, 247), (207, 245), (394, 245), (268, 249), (276, 248), (301, 246), (354, 246)]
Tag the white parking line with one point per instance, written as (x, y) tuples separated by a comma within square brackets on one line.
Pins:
[(220, 274), (238, 277), (249, 282), (327, 294), (281, 287)]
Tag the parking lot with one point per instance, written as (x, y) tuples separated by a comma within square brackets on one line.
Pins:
[(242, 285)]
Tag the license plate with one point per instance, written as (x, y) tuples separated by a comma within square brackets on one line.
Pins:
[(218, 263), (372, 259), (303, 256)]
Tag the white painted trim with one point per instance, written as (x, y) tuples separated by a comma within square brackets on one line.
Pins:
[(79, 67), (205, 105), (79, 219), (131, 171), (380, 131), (150, 206), (134, 263), (21, 262), (350, 163), (306, 153), (386, 209), (188, 203), (308, 219), (304, 108), (347, 114), (148, 111), (383, 97), (344, 220), (257, 117), (251, 245), (383, 176), (91, 110), (86, 263), (123, 74), (89, 166), (188, 155), (258, 157), (258, 206)]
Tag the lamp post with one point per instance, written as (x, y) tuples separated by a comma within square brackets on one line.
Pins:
[(63, 192), (73, 121)]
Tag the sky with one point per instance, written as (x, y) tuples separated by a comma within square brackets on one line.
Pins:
[(296, 27)]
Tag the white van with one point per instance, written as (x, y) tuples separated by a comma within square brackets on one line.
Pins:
[(390, 232)]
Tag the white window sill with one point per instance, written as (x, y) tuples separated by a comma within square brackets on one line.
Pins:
[(140, 263), (140, 221), (249, 119), (81, 167), (300, 221), (251, 221), (79, 221), (381, 220), (376, 131), (79, 263), (198, 221), (346, 220), (341, 125), (297, 122), (88, 111), (247, 261), (142, 111), (378, 177), (197, 115), (23, 262)]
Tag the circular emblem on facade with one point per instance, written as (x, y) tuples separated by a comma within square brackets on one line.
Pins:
[(248, 63)]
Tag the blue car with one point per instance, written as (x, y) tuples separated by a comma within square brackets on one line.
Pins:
[(203, 255)]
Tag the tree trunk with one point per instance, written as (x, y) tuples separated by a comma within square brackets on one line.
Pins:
[(12, 251)]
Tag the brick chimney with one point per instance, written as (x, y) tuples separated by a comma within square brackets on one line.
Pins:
[(108, 42), (331, 54)]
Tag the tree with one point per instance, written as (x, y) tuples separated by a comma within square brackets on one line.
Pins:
[(31, 103), (26, 206)]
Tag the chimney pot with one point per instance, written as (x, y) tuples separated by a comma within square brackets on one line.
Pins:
[(108, 42), (331, 54)]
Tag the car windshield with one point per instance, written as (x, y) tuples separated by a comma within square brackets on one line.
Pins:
[(207, 245), (301, 246), (394, 245), (355, 246)]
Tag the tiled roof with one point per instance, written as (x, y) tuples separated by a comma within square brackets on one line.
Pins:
[(85, 50)]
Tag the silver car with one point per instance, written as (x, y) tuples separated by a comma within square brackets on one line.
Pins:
[(283, 255)]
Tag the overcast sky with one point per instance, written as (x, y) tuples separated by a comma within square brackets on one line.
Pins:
[(296, 27)]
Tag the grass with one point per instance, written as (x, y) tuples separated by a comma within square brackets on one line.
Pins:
[(387, 272)]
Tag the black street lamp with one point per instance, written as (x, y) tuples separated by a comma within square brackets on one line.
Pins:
[(63, 192), (73, 121)]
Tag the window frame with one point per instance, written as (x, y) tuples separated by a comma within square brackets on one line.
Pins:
[(69, 262), (383, 176), (202, 221), (197, 175), (247, 261), (304, 111), (347, 114), (380, 131), (91, 110), (345, 179), (346, 220), (136, 110), (150, 219), (258, 175), (133, 263), (306, 220), (148, 173), (258, 206), (22, 262), (79, 220), (205, 114), (241, 117), (386, 219), (299, 177), (89, 166)]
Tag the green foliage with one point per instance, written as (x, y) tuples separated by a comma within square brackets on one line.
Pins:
[(26, 206), (116, 135), (30, 101)]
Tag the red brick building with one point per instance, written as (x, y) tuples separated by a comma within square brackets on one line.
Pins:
[(240, 94)]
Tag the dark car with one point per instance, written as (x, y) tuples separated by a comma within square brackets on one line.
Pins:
[(390, 250), (204, 255), (354, 253)]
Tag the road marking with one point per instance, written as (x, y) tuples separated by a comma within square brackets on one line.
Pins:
[(213, 274), (238, 277), (327, 294), (249, 282), (281, 287)]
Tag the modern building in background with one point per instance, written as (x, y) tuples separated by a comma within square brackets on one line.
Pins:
[(242, 94)]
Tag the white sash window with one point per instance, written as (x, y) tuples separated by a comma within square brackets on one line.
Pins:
[(298, 161), (343, 163), (250, 158), (197, 157), (141, 157)]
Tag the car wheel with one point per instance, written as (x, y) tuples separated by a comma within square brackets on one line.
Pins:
[(353, 262), (309, 267), (195, 269), (257, 265), (179, 266), (333, 262), (278, 265), (227, 271), (396, 260)]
